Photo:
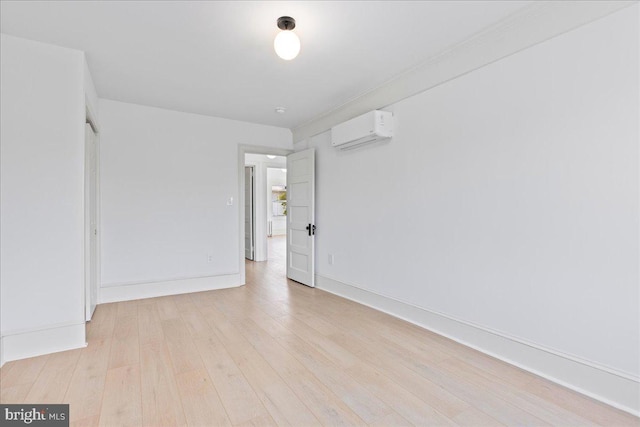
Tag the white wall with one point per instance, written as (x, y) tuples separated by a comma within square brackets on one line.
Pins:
[(166, 180), (42, 170), (509, 202)]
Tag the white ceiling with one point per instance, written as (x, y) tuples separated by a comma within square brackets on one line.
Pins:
[(217, 58)]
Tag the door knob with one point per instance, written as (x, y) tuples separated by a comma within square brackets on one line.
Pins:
[(311, 229)]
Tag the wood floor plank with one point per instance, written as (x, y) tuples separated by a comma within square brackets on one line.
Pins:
[(494, 368), (281, 402), (167, 308), (84, 394), (196, 324), (53, 380), (285, 407), (85, 422), (200, 401), (545, 410), (597, 412), (127, 308), (263, 421), (473, 417), (158, 387), (324, 404), (103, 322), (482, 399), (392, 419), (121, 403), (403, 402), (448, 397), (149, 324), (184, 303), (431, 393), (15, 394), (321, 343), (125, 348), (23, 371), (320, 400), (237, 395), (182, 349), (85, 399), (365, 404)]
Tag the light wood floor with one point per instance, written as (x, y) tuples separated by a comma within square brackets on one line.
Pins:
[(278, 353)]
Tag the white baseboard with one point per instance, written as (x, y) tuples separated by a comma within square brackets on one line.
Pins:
[(24, 344), (617, 389), (133, 291)]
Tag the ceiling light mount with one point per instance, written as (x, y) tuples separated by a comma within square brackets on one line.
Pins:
[(287, 43), (286, 23)]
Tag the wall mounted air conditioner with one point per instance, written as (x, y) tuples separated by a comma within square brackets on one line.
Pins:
[(370, 127)]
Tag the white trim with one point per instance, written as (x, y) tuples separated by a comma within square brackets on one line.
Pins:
[(618, 389), (153, 281), (532, 25), (41, 328), (98, 219), (36, 342), (87, 222), (91, 117), (253, 169), (133, 291)]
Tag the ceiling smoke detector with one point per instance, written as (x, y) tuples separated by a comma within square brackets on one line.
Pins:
[(280, 110)]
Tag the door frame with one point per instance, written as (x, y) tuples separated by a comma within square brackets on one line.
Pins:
[(242, 150), (253, 212), (91, 119)]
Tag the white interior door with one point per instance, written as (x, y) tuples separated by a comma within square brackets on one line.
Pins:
[(91, 222), (301, 216), (249, 235)]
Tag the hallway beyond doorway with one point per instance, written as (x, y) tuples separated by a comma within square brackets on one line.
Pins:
[(277, 250), (276, 265)]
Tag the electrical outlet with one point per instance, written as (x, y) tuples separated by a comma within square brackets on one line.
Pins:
[(210, 258), (330, 259)]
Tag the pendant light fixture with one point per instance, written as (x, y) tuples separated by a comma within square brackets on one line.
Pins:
[(287, 43)]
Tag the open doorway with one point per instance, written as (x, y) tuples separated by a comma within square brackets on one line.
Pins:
[(265, 205), (298, 262)]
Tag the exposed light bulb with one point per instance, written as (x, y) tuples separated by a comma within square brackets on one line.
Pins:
[(287, 45)]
